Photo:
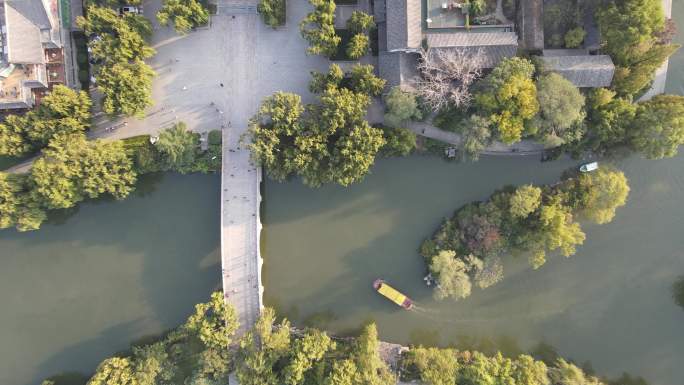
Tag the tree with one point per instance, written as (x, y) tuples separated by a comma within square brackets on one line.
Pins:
[(343, 372), (446, 76), (566, 373), (127, 88), (436, 366), (260, 349), (629, 27), (574, 37), (116, 39), (214, 322), (364, 81), (558, 232), (73, 168), (475, 136), (633, 79), (320, 81), (525, 200), (62, 111), (451, 274), (358, 46), (398, 141), (114, 371), (18, 204), (273, 12), (305, 352), (401, 106), (602, 192), (372, 370), (360, 23), (318, 28), (509, 97), (185, 14), (119, 44), (609, 119), (328, 142), (658, 126), (150, 363), (561, 109), (178, 147)]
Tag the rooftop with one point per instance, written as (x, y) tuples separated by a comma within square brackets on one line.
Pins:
[(588, 71)]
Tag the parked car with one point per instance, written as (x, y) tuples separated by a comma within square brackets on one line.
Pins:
[(129, 9)]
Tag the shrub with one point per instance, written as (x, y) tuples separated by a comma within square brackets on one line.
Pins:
[(215, 138), (575, 37), (82, 58), (273, 12)]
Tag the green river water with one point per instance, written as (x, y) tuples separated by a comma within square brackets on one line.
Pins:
[(88, 284)]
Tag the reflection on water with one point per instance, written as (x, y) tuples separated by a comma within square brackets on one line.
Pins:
[(95, 278)]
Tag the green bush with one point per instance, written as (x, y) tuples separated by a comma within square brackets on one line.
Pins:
[(575, 37), (215, 138), (83, 76), (273, 12)]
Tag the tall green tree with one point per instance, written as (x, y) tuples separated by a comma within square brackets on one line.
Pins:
[(609, 119), (127, 88), (358, 46), (306, 351), (273, 12), (360, 23), (508, 96), (658, 127), (401, 106), (364, 81), (318, 28), (178, 147), (629, 27), (214, 322), (19, 206), (72, 169), (62, 111), (436, 366), (525, 200), (561, 110), (601, 193), (372, 370), (184, 14)]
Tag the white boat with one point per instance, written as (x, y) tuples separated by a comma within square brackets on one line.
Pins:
[(589, 167)]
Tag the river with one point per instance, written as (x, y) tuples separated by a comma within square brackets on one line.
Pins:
[(609, 306), (86, 285), (89, 283)]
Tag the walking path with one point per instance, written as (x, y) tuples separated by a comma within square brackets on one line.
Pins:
[(524, 147)]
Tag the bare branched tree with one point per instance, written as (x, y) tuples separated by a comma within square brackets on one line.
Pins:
[(447, 74)]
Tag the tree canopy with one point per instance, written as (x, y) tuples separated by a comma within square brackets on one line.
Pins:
[(466, 249), (273, 12), (561, 109), (62, 111), (184, 14), (508, 96), (318, 28), (119, 47), (322, 143), (401, 106), (658, 127)]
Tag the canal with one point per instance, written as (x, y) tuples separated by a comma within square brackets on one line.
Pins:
[(91, 282), (88, 284)]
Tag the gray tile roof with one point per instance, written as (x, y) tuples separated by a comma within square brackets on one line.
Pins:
[(493, 53), (398, 68), (466, 39), (590, 71), (23, 35), (404, 24)]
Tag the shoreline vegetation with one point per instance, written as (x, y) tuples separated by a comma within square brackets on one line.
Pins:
[(205, 351), (527, 220)]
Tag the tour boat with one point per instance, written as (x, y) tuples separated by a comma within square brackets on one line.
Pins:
[(392, 294), (588, 167)]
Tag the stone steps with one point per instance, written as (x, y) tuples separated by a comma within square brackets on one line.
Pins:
[(236, 9)]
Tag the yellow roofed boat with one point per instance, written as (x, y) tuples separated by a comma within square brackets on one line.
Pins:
[(392, 294)]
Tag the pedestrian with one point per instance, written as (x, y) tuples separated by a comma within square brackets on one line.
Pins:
[(221, 84), (229, 123), (211, 104), (185, 88)]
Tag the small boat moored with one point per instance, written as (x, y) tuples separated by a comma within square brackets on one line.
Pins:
[(392, 294), (589, 167)]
